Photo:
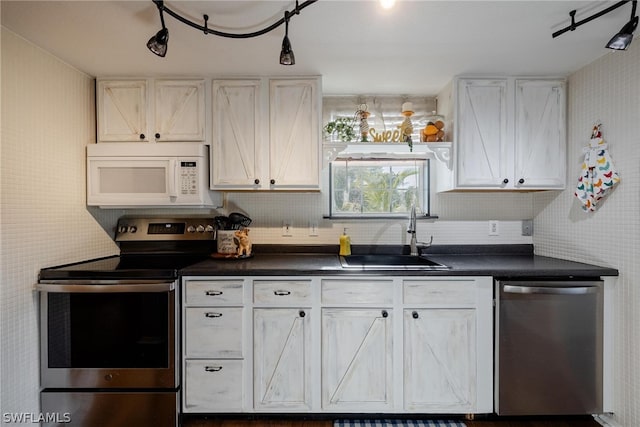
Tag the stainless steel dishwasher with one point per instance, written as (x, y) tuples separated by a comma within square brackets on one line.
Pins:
[(548, 347)]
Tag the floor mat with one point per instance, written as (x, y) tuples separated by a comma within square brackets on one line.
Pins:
[(397, 423)]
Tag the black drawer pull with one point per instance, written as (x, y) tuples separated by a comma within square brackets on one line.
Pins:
[(384, 313), (142, 136), (505, 181), (521, 181), (302, 313), (415, 315), (256, 181), (213, 368), (281, 293), (213, 293), (212, 315)]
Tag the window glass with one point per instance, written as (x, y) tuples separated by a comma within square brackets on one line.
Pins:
[(377, 188)]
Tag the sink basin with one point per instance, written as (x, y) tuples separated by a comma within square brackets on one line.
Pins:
[(389, 262)]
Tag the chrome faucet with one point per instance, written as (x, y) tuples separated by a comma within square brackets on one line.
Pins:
[(414, 244)]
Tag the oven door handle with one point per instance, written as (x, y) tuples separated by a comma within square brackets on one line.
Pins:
[(156, 287)]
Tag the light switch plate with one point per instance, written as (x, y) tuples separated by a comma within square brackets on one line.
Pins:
[(527, 227), (494, 228), (287, 228)]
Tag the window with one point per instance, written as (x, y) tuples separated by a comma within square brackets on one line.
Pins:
[(378, 188)]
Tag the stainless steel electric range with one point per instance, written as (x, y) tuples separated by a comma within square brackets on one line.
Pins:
[(109, 327)]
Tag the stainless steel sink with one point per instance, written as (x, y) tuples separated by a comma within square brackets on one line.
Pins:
[(389, 262)]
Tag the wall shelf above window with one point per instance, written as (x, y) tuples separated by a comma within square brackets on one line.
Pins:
[(421, 150)]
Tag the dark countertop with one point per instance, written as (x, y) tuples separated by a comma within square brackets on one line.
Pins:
[(472, 260)]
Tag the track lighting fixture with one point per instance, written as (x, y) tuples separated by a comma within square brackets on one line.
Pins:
[(621, 40), (286, 54), (158, 43)]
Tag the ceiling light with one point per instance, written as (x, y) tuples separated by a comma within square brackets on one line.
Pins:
[(387, 4), (158, 43), (621, 40), (286, 54)]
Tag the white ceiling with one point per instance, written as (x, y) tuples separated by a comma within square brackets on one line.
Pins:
[(359, 48)]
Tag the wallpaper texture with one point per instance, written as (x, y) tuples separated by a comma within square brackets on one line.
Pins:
[(607, 90), (47, 120)]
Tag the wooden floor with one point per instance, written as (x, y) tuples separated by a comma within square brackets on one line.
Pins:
[(585, 421)]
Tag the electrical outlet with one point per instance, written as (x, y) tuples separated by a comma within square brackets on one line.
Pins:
[(527, 227), (313, 229), (287, 228), (494, 228)]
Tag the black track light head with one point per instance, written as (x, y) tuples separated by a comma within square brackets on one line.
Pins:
[(158, 43), (623, 39), (286, 53)]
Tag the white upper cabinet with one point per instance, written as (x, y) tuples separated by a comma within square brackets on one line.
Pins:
[(179, 110), (266, 136), (509, 134), (482, 149), (294, 149), (147, 110), (540, 141), (236, 134)]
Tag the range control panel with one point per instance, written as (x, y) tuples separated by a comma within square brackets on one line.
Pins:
[(131, 229)]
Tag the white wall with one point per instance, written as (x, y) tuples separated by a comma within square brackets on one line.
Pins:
[(47, 120), (607, 90)]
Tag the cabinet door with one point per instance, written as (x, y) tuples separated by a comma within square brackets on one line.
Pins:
[(440, 360), (179, 110), (482, 152), (540, 142), (294, 150), (122, 110), (357, 360), (282, 350), (236, 134)]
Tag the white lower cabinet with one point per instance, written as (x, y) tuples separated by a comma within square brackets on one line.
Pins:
[(281, 352), (357, 360), (439, 360), (338, 344)]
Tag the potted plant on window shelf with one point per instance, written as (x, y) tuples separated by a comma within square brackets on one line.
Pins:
[(341, 127)]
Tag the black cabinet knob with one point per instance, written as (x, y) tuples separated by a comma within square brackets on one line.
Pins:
[(273, 181), (157, 136), (302, 313), (256, 181), (505, 181), (415, 315), (521, 181), (384, 313), (142, 136)]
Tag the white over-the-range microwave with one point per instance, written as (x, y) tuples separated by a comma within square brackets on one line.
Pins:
[(149, 174)]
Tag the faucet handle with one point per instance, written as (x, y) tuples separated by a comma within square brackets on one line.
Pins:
[(425, 245)]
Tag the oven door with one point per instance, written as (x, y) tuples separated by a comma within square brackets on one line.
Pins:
[(108, 335)]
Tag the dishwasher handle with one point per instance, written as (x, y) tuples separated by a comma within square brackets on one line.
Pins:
[(571, 290)]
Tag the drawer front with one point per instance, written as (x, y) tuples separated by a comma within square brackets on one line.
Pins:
[(213, 386), (282, 291), (359, 291), (213, 292), (213, 332), (456, 292)]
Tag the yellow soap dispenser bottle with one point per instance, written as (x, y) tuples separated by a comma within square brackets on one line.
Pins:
[(345, 243)]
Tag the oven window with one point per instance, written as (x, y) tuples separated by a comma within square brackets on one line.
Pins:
[(108, 330)]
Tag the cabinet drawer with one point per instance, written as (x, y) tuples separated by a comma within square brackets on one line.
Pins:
[(213, 386), (282, 291), (213, 292), (439, 292), (213, 332), (358, 291)]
